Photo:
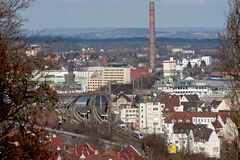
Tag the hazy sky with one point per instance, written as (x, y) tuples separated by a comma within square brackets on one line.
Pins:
[(124, 13)]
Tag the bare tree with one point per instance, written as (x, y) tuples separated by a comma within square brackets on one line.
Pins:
[(20, 96), (230, 62), (155, 147)]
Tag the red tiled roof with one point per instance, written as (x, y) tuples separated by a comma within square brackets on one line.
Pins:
[(139, 72), (85, 149), (215, 103), (192, 97), (188, 116), (130, 153), (111, 153), (203, 134), (55, 144), (224, 116), (217, 74), (216, 124), (170, 102)]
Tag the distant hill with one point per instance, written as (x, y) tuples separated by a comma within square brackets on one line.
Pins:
[(114, 33)]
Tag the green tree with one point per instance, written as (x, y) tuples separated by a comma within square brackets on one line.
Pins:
[(195, 66), (189, 65), (203, 64)]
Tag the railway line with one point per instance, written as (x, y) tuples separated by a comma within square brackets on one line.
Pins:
[(119, 134)]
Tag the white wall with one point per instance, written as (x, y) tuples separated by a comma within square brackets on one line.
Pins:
[(150, 118)]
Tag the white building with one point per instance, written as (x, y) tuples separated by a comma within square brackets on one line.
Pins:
[(192, 61), (176, 50), (207, 143), (188, 52), (149, 117), (207, 59), (169, 67), (196, 61), (188, 86), (195, 139), (223, 105), (33, 50), (128, 114)]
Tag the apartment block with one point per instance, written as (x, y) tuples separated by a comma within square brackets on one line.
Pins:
[(149, 117)]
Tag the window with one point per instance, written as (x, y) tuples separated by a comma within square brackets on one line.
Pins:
[(176, 142), (155, 109)]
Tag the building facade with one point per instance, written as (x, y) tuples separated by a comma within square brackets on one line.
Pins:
[(169, 67), (187, 86), (149, 117)]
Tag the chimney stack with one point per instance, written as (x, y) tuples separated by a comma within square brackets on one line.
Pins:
[(152, 49)]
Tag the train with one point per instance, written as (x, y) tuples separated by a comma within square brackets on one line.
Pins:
[(138, 134)]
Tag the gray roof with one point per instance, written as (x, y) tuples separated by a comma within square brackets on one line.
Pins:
[(122, 88), (122, 95), (82, 101)]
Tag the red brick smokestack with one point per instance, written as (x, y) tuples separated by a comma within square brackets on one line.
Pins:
[(152, 48)]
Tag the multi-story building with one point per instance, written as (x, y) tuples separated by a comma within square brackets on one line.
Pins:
[(109, 74), (187, 86), (116, 74), (199, 132), (197, 61), (128, 114), (149, 117), (207, 59), (94, 83), (169, 67), (195, 139), (94, 78)]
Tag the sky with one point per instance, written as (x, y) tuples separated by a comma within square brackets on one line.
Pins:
[(44, 14)]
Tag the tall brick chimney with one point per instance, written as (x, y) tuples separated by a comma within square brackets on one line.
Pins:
[(152, 49)]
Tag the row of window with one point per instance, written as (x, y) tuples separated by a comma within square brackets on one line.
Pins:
[(203, 120), (191, 87), (190, 92), (130, 111), (180, 120), (113, 70), (130, 115)]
